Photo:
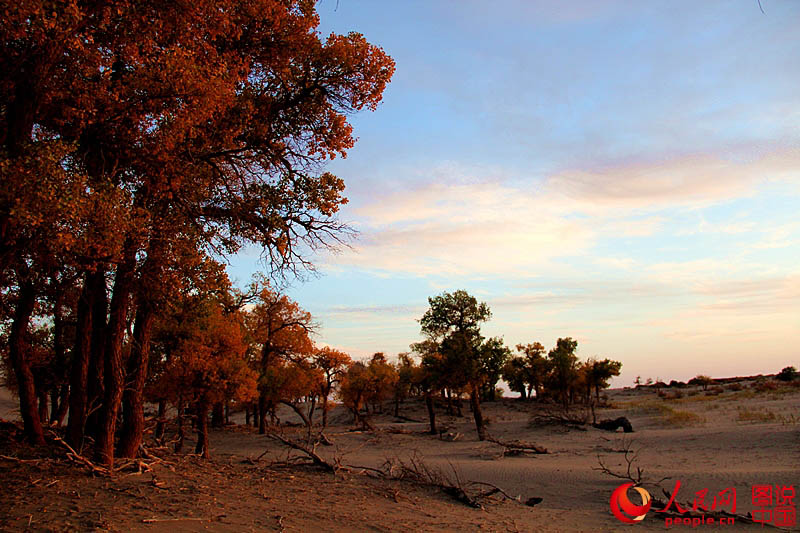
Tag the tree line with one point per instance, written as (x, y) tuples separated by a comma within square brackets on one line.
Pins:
[(140, 144)]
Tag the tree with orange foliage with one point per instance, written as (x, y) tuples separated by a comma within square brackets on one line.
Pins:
[(120, 121), (354, 389), (280, 330), (291, 383), (333, 364), (208, 364)]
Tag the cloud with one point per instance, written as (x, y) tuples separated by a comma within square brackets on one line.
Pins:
[(462, 226), (694, 180), (463, 229)]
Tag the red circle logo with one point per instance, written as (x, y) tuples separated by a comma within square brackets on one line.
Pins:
[(624, 509)]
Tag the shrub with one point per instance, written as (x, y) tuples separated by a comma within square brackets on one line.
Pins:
[(735, 386), (787, 374), (765, 386)]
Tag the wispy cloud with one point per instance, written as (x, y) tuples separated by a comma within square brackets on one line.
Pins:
[(465, 227)]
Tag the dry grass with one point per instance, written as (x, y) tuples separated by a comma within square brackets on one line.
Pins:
[(764, 416), (668, 415)]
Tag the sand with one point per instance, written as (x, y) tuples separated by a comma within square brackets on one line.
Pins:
[(705, 441)]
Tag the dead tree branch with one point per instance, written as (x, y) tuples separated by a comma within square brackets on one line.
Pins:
[(310, 452), (634, 474), (518, 447)]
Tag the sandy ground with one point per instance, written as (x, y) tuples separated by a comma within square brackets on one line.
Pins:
[(732, 439)]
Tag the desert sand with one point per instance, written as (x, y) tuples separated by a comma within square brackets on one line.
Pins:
[(705, 439)]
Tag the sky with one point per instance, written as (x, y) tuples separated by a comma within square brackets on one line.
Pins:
[(624, 173)]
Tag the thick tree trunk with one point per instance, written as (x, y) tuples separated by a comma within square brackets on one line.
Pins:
[(256, 415), (78, 390), (431, 413), (247, 416), (475, 402), (133, 397), (114, 370), (450, 410), (17, 351), (96, 353), (227, 412), (202, 429)]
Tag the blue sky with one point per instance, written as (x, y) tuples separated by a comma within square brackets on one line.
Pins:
[(625, 173)]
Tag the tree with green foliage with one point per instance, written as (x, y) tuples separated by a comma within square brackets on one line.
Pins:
[(563, 363), (453, 322), (493, 357), (599, 372), (536, 367), (513, 374)]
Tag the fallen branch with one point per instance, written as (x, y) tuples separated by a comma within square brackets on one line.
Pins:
[(416, 471), (518, 447), (310, 452), (630, 456), (74, 456), (18, 460), (561, 418)]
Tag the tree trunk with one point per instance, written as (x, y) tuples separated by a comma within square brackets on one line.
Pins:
[(179, 443), (217, 415), (247, 416), (133, 397), (202, 429), (431, 413), (78, 392), (475, 402), (97, 348), (311, 408), (54, 405), (17, 351), (300, 413), (114, 371), (41, 394), (324, 411), (59, 352), (262, 413), (161, 423)]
